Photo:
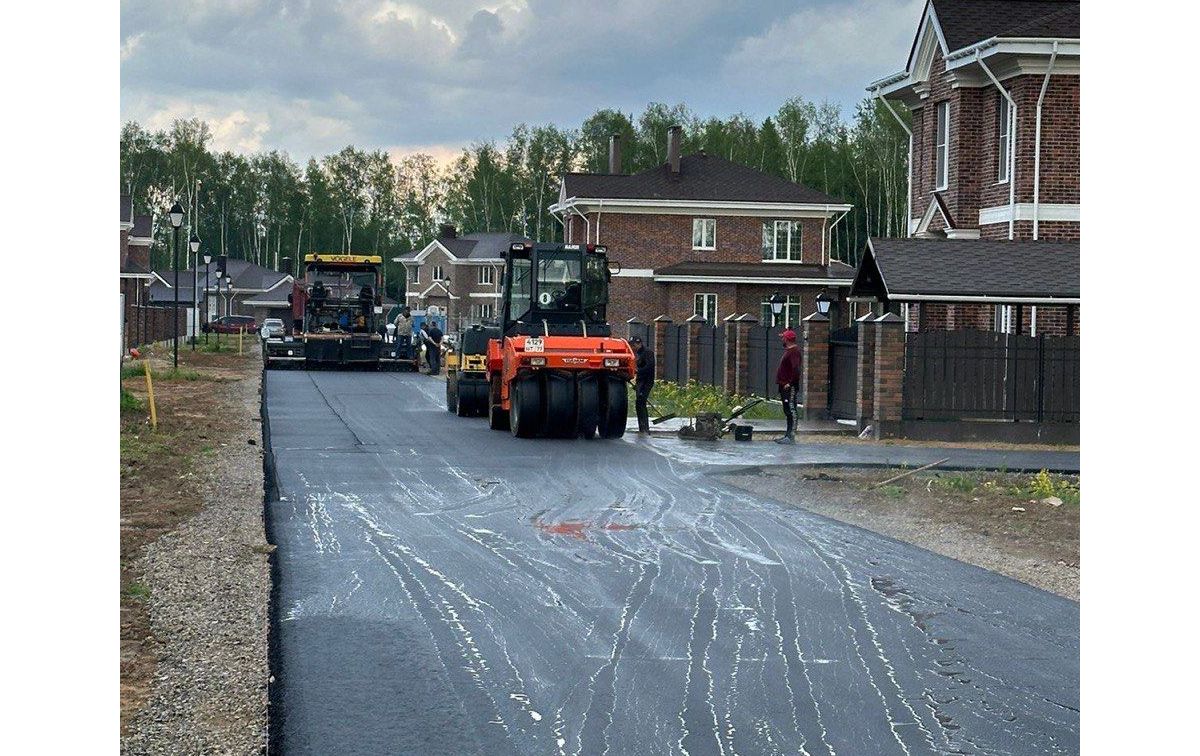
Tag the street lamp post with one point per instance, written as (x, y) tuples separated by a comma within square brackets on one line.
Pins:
[(776, 301), (823, 302), (207, 284), (228, 294), (194, 245), (176, 215)]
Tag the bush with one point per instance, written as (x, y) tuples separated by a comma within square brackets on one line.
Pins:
[(1044, 485), (129, 402), (686, 400)]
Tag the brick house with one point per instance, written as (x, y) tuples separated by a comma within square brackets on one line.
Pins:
[(993, 88), (252, 290), (459, 274), (703, 236), (135, 253)]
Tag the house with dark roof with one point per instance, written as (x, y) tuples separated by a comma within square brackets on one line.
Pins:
[(458, 274), (703, 236), (251, 290), (993, 89)]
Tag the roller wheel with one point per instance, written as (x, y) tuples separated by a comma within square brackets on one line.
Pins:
[(614, 407), (497, 417), (587, 392), (526, 417), (561, 409), (453, 403), (479, 400)]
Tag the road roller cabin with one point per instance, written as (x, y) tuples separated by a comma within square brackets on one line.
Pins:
[(556, 369)]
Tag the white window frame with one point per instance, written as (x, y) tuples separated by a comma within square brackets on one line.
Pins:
[(703, 225), (793, 248), (438, 273), (416, 274), (790, 316), (1004, 143), (487, 275), (941, 147), (701, 306), (1004, 318)]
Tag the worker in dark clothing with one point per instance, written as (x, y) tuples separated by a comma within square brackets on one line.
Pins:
[(788, 380), (366, 300), (435, 348), (318, 296), (644, 382)]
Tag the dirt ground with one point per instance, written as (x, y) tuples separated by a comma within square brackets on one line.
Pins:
[(162, 474), (1007, 523)]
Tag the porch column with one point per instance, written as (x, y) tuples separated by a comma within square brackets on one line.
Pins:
[(815, 359), (662, 326), (889, 374), (865, 401)]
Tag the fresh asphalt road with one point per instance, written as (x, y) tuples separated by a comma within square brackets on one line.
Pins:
[(448, 589)]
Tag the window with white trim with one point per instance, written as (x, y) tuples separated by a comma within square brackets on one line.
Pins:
[(416, 274), (1004, 318), (704, 233), (789, 317), (438, 273), (705, 305), (487, 274), (1003, 138), (482, 311), (781, 240), (942, 146)]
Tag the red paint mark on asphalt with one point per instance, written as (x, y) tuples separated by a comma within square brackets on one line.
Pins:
[(577, 528)]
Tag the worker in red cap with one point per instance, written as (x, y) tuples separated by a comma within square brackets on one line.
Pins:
[(788, 380)]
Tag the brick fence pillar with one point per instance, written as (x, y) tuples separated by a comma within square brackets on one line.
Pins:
[(693, 324), (743, 324), (729, 358), (865, 401), (815, 381), (662, 327), (889, 373), (630, 325)]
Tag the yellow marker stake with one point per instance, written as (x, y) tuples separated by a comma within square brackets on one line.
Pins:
[(150, 393)]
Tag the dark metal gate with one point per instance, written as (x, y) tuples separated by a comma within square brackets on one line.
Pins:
[(711, 347), (843, 373), (674, 359), (764, 351)]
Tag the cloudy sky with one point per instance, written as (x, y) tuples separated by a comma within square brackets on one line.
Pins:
[(310, 77)]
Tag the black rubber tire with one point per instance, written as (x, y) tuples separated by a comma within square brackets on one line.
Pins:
[(587, 394), (472, 399), (453, 400), (525, 420), (561, 414), (614, 407)]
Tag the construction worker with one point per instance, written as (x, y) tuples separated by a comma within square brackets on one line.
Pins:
[(787, 377), (435, 348), (403, 326), (644, 382)]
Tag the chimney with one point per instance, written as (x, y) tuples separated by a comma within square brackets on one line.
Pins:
[(674, 137), (614, 154), (448, 231)]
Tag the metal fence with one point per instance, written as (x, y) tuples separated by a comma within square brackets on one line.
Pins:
[(764, 351), (843, 372), (644, 331), (674, 356), (982, 375), (710, 345)]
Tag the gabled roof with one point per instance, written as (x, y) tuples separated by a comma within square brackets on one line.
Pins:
[(966, 22), (701, 177), (246, 276), (485, 245), (968, 270), (126, 208)]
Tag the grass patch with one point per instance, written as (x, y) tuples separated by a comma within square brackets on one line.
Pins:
[(960, 483), (892, 491), (136, 370), (129, 402), (138, 591), (686, 400)]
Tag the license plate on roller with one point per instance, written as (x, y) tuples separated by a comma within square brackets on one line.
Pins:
[(534, 345)]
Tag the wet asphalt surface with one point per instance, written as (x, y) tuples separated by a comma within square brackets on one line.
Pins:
[(448, 589)]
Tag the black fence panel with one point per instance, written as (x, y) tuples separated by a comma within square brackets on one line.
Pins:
[(843, 372), (643, 331), (710, 344), (670, 356), (764, 351), (983, 375)]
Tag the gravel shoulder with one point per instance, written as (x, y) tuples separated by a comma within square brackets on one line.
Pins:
[(989, 520), (203, 582)]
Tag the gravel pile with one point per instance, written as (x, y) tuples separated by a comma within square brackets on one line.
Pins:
[(209, 587)]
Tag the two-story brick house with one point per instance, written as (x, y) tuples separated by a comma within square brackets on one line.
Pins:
[(993, 88), (700, 235), (458, 274)]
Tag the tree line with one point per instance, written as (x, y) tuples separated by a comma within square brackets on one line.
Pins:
[(266, 207)]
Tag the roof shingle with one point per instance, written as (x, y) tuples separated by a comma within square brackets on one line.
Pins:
[(701, 177), (966, 22)]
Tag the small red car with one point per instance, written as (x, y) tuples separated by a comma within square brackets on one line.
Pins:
[(231, 324)]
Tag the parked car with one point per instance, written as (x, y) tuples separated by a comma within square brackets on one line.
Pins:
[(230, 324), (272, 328)]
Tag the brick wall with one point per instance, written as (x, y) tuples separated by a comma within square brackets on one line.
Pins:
[(931, 316), (464, 281)]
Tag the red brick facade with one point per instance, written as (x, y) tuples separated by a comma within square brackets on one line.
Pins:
[(973, 147), (462, 308)]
